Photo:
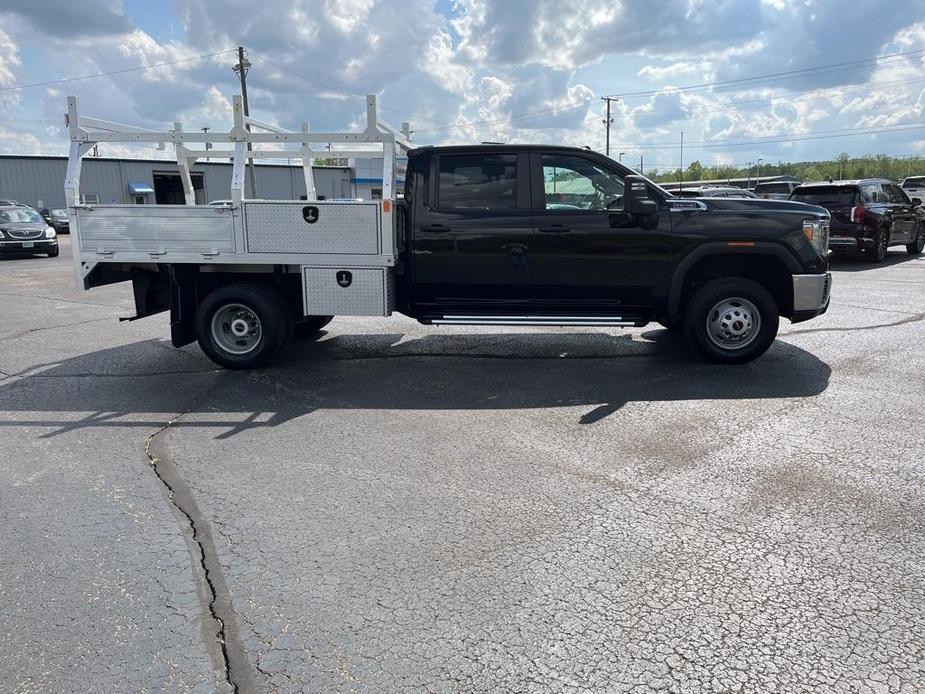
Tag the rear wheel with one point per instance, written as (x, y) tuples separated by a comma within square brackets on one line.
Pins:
[(242, 326), (732, 321), (311, 325), (877, 254), (916, 247)]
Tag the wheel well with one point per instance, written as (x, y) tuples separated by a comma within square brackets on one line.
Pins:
[(765, 269)]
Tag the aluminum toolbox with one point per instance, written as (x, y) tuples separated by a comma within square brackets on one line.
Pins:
[(155, 229), (348, 291), (312, 227)]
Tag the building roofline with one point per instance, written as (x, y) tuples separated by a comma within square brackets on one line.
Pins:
[(163, 162)]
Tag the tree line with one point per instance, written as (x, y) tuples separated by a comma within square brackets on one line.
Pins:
[(842, 167)]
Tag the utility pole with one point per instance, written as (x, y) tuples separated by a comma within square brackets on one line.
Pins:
[(642, 171), (205, 129), (241, 70), (681, 169), (607, 121)]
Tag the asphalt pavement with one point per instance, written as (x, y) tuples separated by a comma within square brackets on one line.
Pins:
[(401, 508)]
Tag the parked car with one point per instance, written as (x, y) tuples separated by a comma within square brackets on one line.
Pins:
[(775, 190), (717, 192), (22, 229), (57, 219), (868, 216), (914, 186)]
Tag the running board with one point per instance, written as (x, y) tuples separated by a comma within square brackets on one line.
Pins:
[(604, 321)]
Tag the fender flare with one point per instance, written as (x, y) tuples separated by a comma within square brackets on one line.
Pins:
[(676, 287)]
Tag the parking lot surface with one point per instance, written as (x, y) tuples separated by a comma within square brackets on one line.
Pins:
[(402, 508)]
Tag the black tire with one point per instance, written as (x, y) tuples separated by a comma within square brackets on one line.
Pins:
[(918, 245), (730, 306), (258, 311), (675, 328), (877, 254), (311, 326), (53, 253)]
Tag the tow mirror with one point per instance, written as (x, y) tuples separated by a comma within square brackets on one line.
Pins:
[(636, 198)]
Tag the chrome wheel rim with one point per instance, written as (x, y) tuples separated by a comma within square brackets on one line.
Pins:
[(236, 329), (920, 240), (882, 245), (733, 323)]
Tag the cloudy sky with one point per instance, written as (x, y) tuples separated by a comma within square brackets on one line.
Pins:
[(473, 70)]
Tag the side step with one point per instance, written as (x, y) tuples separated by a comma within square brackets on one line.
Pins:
[(586, 321)]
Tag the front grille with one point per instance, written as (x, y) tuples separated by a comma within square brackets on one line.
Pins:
[(26, 234)]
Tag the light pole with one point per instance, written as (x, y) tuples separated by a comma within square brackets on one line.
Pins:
[(758, 172), (620, 158), (748, 174)]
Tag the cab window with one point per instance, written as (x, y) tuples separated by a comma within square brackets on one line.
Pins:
[(576, 183), (477, 182)]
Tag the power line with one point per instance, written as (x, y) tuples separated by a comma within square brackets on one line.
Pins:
[(785, 138), (331, 88), (774, 76), (139, 68)]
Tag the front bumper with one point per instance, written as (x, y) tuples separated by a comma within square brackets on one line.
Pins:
[(811, 295), (29, 246)]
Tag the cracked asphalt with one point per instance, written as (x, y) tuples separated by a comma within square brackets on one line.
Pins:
[(401, 509)]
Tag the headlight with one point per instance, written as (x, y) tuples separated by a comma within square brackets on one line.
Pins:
[(49, 233), (817, 233)]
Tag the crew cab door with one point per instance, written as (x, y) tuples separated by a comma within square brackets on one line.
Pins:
[(473, 233), (589, 254), (905, 221)]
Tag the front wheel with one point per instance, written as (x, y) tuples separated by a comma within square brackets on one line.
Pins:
[(242, 326), (53, 253), (916, 247), (732, 321)]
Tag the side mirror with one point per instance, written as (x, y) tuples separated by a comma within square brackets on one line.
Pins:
[(916, 202), (636, 198)]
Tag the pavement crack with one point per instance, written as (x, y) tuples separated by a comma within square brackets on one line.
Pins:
[(229, 656), (21, 333)]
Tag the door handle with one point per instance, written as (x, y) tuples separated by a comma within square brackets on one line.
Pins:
[(555, 229), (436, 228)]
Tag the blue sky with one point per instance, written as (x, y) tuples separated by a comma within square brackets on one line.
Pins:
[(473, 70)]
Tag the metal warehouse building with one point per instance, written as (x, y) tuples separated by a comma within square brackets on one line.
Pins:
[(39, 181)]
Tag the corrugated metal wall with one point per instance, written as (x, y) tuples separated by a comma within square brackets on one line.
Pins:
[(39, 181)]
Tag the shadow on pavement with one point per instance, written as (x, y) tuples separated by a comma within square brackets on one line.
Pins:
[(850, 263), (600, 372)]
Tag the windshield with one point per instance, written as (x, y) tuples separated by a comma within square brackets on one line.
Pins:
[(827, 196), (59, 214), (22, 215)]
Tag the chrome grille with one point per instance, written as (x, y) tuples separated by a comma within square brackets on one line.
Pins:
[(25, 233)]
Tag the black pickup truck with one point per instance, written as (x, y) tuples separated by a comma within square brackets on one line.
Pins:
[(553, 235), (530, 235)]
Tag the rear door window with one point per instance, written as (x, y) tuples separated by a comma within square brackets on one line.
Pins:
[(827, 196), (477, 182), (772, 188)]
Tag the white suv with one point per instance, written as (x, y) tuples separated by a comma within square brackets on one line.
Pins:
[(914, 187)]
